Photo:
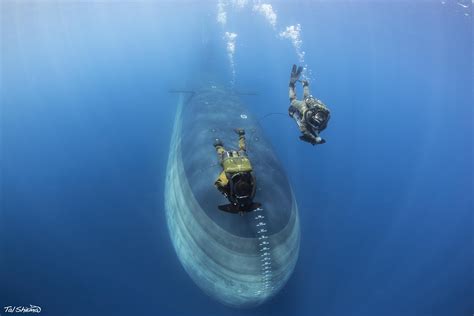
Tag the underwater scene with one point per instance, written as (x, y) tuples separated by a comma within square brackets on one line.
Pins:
[(236, 158)]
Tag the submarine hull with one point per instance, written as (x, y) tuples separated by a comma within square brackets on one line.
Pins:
[(240, 261)]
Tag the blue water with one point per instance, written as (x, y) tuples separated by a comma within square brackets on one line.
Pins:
[(86, 118)]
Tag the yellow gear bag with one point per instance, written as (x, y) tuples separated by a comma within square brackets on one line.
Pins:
[(237, 164)]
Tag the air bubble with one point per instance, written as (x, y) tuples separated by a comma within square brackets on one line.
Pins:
[(264, 248)]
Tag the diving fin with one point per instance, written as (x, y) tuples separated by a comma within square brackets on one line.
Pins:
[(295, 74), (293, 69), (299, 71)]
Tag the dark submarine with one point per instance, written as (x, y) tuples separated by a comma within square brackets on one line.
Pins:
[(240, 261)]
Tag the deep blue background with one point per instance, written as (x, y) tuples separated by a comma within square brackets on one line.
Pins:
[(385, 206)]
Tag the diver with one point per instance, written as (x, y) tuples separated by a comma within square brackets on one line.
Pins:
[(236, 181), (310, 114)]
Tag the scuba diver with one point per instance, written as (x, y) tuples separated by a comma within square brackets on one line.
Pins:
[(236, 181), (310, 114)]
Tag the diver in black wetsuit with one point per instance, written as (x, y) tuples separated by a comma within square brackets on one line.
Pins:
[(310, 114)]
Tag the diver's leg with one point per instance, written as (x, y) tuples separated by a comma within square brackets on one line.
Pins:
[(305, 89), (219, 146), (292, 93)]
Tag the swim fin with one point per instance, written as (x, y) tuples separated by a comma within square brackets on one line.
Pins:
[(299, 71), (295, 74)]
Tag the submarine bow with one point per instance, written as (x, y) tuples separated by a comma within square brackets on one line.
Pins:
[(240, 261)]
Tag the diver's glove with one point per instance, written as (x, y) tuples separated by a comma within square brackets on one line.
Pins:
[(295, 75), (313, 140), (305, 83), (218, 142), (320, 140), (239, 131)]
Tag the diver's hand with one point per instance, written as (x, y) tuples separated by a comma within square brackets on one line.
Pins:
[(239, 131), (295, 75), (305, 82), (217, 142), (320, 140), (310, 138)]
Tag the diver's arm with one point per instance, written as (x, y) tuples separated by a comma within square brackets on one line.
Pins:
[(294, 76), (242, 144), (241, 133), (220, 150), (318, 140)]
